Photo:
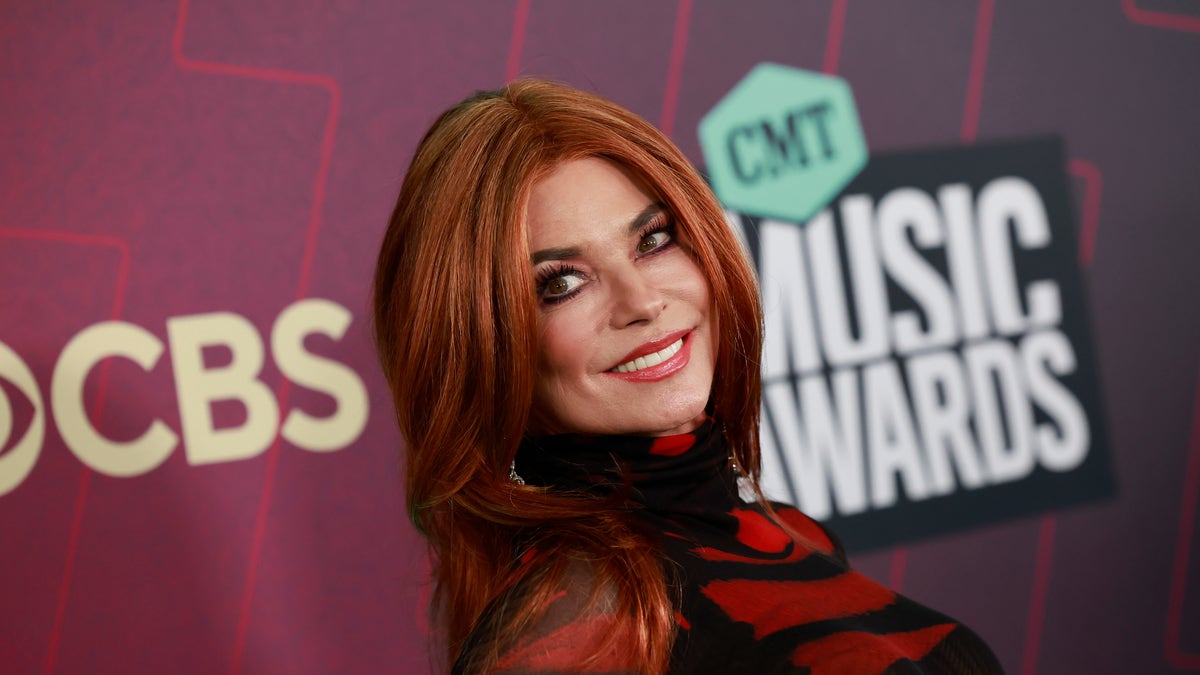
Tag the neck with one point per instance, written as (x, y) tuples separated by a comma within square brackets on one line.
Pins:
[(656, 473)]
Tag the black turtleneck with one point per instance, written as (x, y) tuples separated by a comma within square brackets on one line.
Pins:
[(753, 597)]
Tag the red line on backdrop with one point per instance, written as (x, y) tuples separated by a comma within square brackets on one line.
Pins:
[(833, 36), (898, 568), (833, 52), (64, 585), (969, 132), (517, 43), (1090, 216), (98, 240), (287, 77), (1187, 522), (1154, 19), (85, 474), (979, 52), (1037, 600), (320, 182), (683, 19), (259, 533), (1044, 554)]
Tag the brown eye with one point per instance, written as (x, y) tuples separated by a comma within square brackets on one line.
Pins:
[(559, 284), (653, 241)]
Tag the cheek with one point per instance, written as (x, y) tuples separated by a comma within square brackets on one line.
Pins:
[(699, 294), (561, 371), (696, 289), (560, 348)]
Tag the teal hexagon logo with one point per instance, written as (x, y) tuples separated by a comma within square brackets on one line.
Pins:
[(783, 142)]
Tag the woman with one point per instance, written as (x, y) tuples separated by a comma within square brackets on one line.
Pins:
[(572, 334)]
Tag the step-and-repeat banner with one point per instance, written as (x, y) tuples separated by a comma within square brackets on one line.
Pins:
[(981, 357), (928, 358)]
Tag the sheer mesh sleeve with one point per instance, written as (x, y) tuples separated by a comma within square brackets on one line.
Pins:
[(814, 532), (574, 630)]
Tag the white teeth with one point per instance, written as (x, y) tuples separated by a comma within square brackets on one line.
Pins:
[(650, 359)]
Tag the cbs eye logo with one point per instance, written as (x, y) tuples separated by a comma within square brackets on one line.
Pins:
[(197, 387), (18, 461)]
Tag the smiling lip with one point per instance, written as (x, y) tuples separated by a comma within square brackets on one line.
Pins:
[(662, 370)]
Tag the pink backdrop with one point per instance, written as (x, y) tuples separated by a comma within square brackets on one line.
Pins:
[(174, 159)]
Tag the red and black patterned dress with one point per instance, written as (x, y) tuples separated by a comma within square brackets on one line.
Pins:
[(752, 598)]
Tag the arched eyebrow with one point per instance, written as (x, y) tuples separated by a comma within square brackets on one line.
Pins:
[(568, 252)]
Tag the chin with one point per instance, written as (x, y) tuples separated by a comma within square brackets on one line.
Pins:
[(684, 420), (665, 413)]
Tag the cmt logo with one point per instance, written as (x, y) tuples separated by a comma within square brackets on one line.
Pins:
[(763, 145), (196, 388), (783, 142)]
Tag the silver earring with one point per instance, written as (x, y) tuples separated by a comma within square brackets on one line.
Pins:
[(512, 474), (745, 487)]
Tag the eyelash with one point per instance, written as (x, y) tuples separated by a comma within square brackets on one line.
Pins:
[(660, 224), (548, 274)]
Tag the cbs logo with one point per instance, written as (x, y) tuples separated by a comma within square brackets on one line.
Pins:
[(196, 388)]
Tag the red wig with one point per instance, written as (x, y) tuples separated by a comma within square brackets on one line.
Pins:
[(456, 319)]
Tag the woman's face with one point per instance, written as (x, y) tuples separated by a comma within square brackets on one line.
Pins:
[(625, 341)]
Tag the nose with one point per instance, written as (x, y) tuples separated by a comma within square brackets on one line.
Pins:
[(634, 298)]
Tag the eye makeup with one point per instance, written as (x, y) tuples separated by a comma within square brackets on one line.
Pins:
[(548, 276), (561, 281)]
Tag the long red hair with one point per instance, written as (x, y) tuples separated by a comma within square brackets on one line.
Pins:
[(456, 319)]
